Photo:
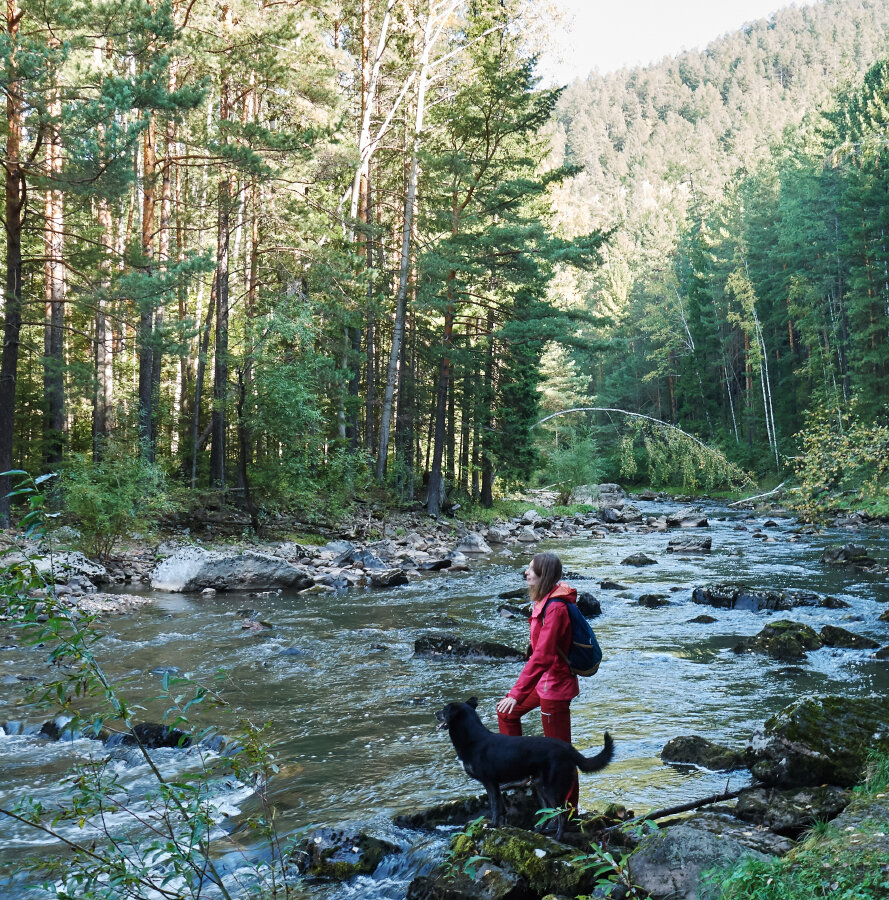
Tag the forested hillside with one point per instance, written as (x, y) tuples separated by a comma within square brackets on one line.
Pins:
[(274, 253), (745, 289)]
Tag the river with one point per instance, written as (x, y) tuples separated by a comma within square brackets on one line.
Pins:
[(350, 710)]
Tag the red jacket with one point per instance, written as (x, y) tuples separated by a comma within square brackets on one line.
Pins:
[(546, 670)]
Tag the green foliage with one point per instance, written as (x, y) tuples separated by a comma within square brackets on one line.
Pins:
[(843, 464), (110, 498), (572, 461), (666, 456)]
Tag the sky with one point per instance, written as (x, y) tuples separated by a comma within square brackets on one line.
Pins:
[(610, 34)]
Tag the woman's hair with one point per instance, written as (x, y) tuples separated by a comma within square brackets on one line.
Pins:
[(548, 567)]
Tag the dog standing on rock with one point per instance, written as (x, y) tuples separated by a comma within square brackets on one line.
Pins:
[(496, 759)]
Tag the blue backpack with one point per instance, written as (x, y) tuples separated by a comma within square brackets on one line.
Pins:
[(585, 654)]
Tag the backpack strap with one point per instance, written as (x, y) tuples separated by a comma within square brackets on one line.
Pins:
[(559, 650)]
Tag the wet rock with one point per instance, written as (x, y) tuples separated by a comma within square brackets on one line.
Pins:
[(451, 645), (688, 517), (784, 640), (435, 565), (473, 542), (653, 601), (194, 568), (690, 544), (625, 515), (848, 555), (671, 861), (588, 605), (517, 594), (612, 586), (702, 620), (295, 651), (791, 812), (737, 596), (820, 740), (521, 805), (514, 612), (363, 559), (530, 517), (336, 855), (834, 636), (698, 751), (882, 653), (459, 563), (598, 495), (388, 578), (152, 736), (638, 559), (647, 495)]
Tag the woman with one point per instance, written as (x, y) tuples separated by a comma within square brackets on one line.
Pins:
[(545, 681)]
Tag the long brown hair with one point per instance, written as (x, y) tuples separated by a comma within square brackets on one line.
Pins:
[(548, 567)]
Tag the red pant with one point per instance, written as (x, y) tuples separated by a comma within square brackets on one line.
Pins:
[(556, 718)]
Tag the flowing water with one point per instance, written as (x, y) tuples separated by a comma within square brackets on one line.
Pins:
[(351, 710)]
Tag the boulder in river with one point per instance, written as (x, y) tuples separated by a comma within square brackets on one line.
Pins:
[(194, 568), (451, 645), (638, 559), (737, 596), (520, 804), (688, 517), (820, 740), (598, 495), (528, 535), (653, 601), (671, 861), (848, 555), (791, 812), (834, 636), (498, 534), (336, 855), (151, 735), (694, 750), (473, 542), (690, 544), (588, 605), (784, 640), (388, 578)]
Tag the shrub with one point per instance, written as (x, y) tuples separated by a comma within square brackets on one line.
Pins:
[(110, 498)]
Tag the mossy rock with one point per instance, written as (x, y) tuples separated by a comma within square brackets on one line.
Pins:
[(547, 866), (694, 750), (820, 740), (784, 640), (335, 855), (834, 636)]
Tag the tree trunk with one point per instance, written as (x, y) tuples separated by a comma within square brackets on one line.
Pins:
[(220, 376), (435, 494), (16, 198), (54, 278), (146, 312), (203, 350), (103, 396)]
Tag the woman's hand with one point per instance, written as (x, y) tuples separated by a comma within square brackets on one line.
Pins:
[(507, 705)]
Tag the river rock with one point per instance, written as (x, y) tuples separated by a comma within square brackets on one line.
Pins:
[(194, 568), (848, 555), (612, 586), (784, 640), (60, 567), (669, 862), (473, 542), (703, 620), (528, 535), (791, 812), (151, 735), (521, 805), (588, 605), (638, 559), (336, 855), (388, 578), (698, 751), (530, 517), (435, 565), (497, 534), (834, 636), (451, 645), (598, 495), (653, 601), (690, 544), (687, 517), (820, 740), (363, 559), (737, 596)]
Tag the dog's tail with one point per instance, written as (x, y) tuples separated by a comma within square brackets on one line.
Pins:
[(600, 760)]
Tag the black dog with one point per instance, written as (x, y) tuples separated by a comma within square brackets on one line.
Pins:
[(495, 759)]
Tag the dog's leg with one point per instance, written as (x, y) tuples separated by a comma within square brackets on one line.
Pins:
[(498, 812)]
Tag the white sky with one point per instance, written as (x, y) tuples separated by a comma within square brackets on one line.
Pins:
[(609, 34)]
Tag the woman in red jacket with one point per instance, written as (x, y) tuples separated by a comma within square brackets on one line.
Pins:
[(545, 681)]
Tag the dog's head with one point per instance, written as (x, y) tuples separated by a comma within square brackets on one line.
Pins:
[(454, 711)]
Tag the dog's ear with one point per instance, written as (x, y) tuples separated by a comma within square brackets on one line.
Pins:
[(473, 702)]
